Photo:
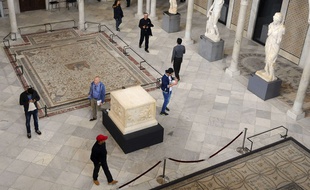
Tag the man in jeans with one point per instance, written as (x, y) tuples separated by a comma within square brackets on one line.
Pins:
[(166, 86), (96, 96), (29, 99)]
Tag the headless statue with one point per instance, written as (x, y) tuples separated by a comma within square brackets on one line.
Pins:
[(173, 9), (212, 18), (276, 30)]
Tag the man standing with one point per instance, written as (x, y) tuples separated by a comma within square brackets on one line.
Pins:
[(177, 57), (96, 95), (167, 82), (145, 25), (29, 99), (99, 158), (118, 13)]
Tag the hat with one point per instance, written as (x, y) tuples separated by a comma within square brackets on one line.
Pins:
[(101, 137), (170, 70)]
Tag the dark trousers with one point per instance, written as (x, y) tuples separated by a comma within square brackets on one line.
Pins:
[(35, 120), (146, 36), (118, 22), (177, 66), (105, 169)]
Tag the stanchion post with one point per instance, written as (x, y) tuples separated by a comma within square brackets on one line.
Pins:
[(243, 149), (162, 179)]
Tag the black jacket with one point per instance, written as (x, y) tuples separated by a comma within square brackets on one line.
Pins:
[(118, 12), (98, 153), (148, 23), (23, 99)]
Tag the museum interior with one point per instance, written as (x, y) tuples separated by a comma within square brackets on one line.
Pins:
[(238, 118)]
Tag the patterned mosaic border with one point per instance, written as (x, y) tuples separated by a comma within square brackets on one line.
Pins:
[(61, 65), (271, 167)]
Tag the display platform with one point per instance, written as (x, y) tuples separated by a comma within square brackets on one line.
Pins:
[(171, 22), (263, 89), (135, 140), (210, 50)]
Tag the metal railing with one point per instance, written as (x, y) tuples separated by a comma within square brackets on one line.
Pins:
[(282, 136), (47, 26)]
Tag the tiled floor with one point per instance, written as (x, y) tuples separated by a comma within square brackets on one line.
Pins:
[(208, 109)]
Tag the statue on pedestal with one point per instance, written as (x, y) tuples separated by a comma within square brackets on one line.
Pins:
[(173, 7), (212, 18), (272, 47)]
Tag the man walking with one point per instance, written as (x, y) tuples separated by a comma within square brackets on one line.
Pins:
[(145, 25), (166, 86), (177, 57), (99, 158), (96, 96), (29, 99)]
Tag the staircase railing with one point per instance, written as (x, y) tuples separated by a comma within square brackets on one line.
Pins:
[(282, 136)]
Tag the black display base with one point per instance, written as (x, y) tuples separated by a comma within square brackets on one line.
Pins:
[(136, 140), (263, 89)]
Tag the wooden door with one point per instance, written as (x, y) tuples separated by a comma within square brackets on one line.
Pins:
[(30, 5)]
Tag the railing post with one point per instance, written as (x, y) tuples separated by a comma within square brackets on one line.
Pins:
[(243, 149), (162, 179), (45, 111)]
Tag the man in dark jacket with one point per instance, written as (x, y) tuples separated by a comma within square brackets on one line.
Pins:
[(29, 99), (99, 158), (118, 13), (167, 82), (145, 25)]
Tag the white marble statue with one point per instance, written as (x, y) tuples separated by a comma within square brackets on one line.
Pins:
[(276, 30), (173, 9), (213, 16)]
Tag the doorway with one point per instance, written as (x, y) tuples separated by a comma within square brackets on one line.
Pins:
[(224, 12), (266, 10), (31, 5)]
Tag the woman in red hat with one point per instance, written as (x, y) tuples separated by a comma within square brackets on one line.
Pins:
[(99, 158)]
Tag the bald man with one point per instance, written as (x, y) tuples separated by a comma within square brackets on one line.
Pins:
[(96, 96)]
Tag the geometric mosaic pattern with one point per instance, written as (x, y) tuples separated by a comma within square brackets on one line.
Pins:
[(61, 65), (271, 167)]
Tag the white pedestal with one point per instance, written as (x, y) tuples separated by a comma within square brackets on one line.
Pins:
[(132, 109)]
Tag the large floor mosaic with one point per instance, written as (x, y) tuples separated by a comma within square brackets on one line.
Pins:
[(285, 165), (289, 73), (62, 64)]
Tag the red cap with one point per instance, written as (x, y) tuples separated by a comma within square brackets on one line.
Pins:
[(101, 137)]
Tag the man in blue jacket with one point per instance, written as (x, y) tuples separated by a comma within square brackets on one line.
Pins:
[(29, 99), (167, 81), (96, 96)]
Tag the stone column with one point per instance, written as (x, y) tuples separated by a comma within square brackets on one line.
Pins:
[(81, 14), (153, 10), (190, 8), (139, 13), (148, 6), (233, 70), (13, 21), (296, 111)]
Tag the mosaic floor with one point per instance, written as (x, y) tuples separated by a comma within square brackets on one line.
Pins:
[(62, 64), (289, 73), (285, 165)]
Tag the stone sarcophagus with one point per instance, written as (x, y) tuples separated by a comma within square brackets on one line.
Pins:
[(132, 109)]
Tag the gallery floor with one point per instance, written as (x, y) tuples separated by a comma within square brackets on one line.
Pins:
[(208, 109)]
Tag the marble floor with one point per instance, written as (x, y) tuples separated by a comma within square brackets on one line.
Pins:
[(208, 109)]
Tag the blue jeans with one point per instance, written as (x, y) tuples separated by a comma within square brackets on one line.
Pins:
[(167, 96), (35, 118), (118, 22)]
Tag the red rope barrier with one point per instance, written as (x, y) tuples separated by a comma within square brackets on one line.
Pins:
[(226, 145), (182, 161), (140, 175)]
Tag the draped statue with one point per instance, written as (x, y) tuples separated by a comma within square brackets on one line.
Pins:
[(212, 18), (276, 30), (173, 9)]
